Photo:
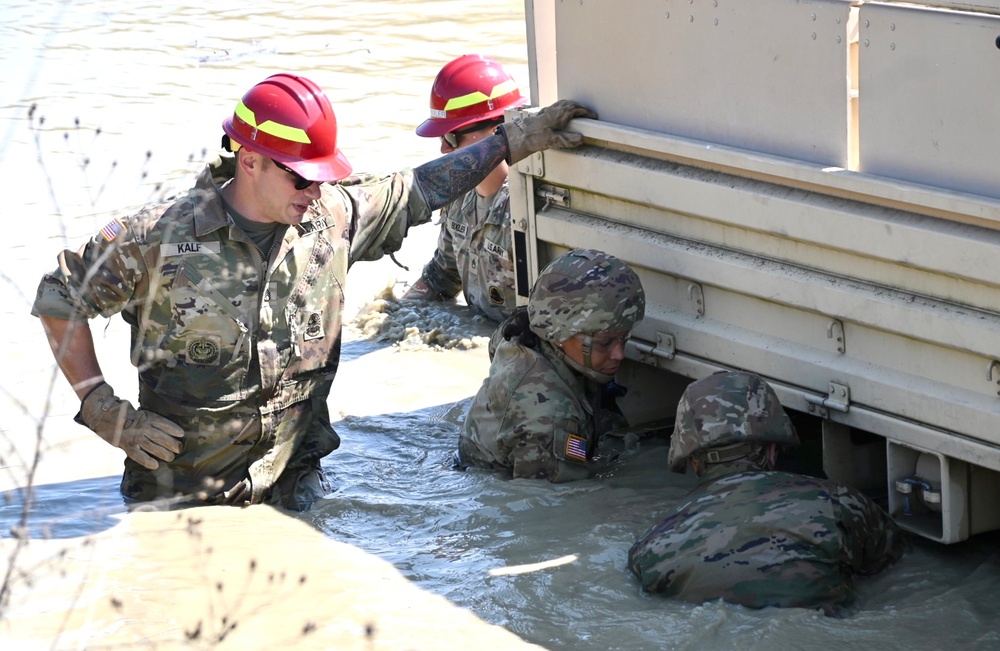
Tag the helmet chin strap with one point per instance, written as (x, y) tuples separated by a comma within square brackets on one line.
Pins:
[(586, 368)]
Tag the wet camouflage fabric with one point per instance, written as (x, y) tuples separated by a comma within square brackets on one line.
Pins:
[(203, 303), (475, 257), (585, 291), (766, 538), (726, 408), (532, 416)]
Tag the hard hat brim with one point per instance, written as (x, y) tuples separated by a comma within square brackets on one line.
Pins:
[(437, 127), (324, 169), (329, 168)]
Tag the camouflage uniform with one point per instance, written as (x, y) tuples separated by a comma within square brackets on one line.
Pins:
[(539, 413), (533, 416), (475, 257), (208, 312), (766, 538), (752, 536)]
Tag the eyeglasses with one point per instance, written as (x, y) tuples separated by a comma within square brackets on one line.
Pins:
[(605, 344), (452, 137), (300, 182)]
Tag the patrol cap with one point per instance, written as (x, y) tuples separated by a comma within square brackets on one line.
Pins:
[(585, 291), (727, 408)]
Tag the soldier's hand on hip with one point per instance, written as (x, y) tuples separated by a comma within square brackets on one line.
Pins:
[(146, 438)]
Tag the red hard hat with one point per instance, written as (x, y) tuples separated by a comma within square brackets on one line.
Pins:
[(289, 119), (470, 89)]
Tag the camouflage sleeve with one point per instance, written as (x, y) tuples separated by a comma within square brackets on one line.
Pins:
[(872, 541), (447, 178), (381, 210), (540, 438), (441, 273), (98, 279)]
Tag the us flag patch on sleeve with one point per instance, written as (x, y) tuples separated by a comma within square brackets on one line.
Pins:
[(112, 229), (576, 447)]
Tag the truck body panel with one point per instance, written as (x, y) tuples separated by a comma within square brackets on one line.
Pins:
[(807, 191)]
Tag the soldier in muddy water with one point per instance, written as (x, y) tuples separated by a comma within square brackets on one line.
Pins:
[(548, 398), (748, 534), (234, 294)]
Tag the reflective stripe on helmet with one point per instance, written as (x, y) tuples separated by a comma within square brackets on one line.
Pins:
[(270, 127), (478, 97)]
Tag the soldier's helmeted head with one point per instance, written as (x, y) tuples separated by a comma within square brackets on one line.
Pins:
[(585, 292), (719, 415)]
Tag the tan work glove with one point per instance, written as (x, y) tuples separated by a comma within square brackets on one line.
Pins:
[(143, 435), (543, 130)]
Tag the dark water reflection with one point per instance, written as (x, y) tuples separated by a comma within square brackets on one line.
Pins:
[(53, 510)]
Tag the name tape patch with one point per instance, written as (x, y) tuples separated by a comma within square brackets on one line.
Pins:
[(184, 248)]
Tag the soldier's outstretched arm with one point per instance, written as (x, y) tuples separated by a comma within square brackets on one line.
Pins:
[(449, 177)]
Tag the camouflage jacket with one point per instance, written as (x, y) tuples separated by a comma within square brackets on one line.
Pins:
[(766, 538), (476, 258), (203, 303), (533, 416)]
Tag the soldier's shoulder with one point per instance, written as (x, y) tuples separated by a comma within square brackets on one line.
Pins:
[(514, 361), (523, 371)]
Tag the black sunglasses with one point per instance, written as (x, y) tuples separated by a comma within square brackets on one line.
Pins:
[(452, 136), (300, 182)]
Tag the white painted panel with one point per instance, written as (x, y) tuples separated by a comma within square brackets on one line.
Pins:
[(767, 75), (930, 97)]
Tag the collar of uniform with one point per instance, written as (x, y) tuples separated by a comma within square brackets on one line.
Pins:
[(558, 360), (209, 209)]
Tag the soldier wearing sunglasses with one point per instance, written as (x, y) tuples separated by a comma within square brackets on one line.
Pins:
[(234, 294)]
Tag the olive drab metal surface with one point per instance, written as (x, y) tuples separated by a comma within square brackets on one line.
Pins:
[(807, 190)]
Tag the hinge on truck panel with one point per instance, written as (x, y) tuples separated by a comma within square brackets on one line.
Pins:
[(552, 195), (838, 398), (649, 353), (533, 165)]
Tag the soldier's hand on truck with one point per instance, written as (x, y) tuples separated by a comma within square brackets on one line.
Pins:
[(544, 129)]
